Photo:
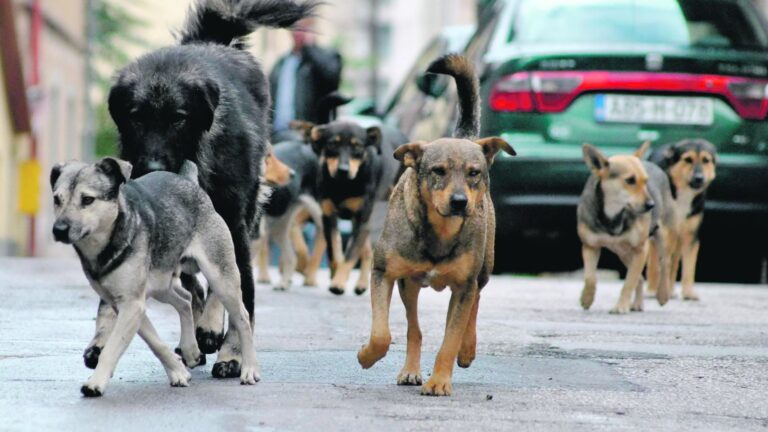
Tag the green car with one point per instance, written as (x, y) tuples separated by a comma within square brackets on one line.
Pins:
[(615, 73)]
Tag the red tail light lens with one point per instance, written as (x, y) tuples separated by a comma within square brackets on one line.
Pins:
[(554, 91), (512, 93)]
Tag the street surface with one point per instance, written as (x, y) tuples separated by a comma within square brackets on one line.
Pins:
[(543, 363)]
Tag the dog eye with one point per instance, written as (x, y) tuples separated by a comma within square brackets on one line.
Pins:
[(631, 180), (86, 200), (56, 200), (688, 160), (474, 173), (438, 171), (706, 160), (180, 116)]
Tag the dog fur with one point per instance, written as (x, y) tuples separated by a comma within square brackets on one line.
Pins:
[(207, 100), (690, 166), (353, 177), (439, 232), (131, 237), (626, 208)]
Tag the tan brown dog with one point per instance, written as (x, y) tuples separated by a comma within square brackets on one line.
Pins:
[(439, 232), (690, 166), (625, 203)]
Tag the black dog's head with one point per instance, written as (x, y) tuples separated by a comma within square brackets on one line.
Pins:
[(161, 116), (344, 147)]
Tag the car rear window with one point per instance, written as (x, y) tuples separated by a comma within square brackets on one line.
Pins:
[(688, 23)]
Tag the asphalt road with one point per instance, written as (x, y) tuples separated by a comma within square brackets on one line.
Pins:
[(543, 363)]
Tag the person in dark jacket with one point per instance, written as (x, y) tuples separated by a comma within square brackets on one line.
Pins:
[(300, 79)]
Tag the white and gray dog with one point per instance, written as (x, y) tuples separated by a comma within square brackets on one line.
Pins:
[(132, 238)]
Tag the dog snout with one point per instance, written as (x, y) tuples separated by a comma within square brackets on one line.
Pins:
[(156, 165), (698, 180), (649, 205), (61, 231), (458, 203), (292, 173)]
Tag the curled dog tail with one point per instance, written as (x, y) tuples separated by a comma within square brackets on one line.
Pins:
[(225, 21), (468, 86), (189, 171)]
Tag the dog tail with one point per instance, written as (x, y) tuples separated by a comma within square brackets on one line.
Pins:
[(189, 171), (468, 86), (225, 21)]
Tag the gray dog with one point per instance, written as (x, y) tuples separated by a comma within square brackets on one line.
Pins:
[(132, 237)]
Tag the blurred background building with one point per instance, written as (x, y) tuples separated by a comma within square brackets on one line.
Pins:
[(52, 104)]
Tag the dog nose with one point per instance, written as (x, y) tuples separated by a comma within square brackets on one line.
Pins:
[(155, 165), (293, 173), (343, 167), (698, 180), (458, 202), (649, 205), (61, 231)]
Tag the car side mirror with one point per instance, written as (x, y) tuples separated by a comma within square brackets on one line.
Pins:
[(431, 84)]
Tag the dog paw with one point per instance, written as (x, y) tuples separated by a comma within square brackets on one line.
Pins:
[(208, 341), (179, 377), (587, 298), (409, 378), (619, 310), (360, 290), (89, 390), (91, 357), (227, 369), (310, 282), (437, 387), (336, 290), (279, 288), (264, 280), (636, 308), (198, 360), (690, 296), (250, 376), (464, 360), (371, 353)]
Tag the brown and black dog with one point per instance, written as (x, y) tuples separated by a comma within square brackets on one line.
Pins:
[(626, 208), (690, 166), (353, 177), (439, 232)]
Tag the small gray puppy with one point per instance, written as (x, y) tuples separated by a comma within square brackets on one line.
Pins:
[(132, 237)]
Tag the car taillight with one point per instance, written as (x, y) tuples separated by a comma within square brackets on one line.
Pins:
[(512, 93), (554, 91), (750, 98)]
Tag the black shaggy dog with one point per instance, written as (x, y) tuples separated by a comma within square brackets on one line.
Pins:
[(207, 100)]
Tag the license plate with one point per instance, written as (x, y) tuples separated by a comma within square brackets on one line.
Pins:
[(697, 111)]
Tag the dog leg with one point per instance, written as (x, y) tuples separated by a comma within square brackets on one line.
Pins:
[(215, 258), (459, 310), (316, 214), (105, 322), (282, 230), (129, 318), (690, 256), (262, 254), (591, 257), (297, 240), (210, 327), (178, 375), (469, 342), (366, 262), (192, 285), (635, 264), (411, 372), (637, 303), (660, 242), (333, 240), (355, 247), (381, 298), (181, 300), (652, 271)]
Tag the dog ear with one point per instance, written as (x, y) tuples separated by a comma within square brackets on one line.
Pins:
[(410, 154), (491, 147), (640, 152), (303, 127), (117, 169), (315, 137), (120, 103), (594, 159), (55, 173), (205, 97), (373, 138)]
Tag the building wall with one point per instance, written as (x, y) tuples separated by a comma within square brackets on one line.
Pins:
[(58, 105)]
